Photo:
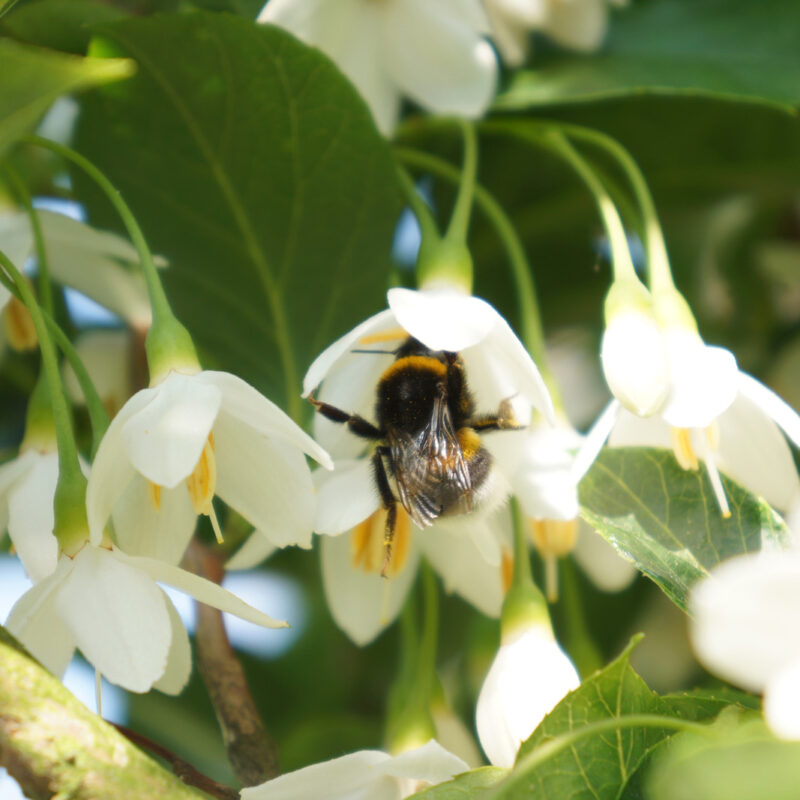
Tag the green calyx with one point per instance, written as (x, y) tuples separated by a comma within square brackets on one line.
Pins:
[(40, 427), (169, 347), (413, 728), (524, 607), (444, 263), (626, 296), (672, 310), (71, 523)]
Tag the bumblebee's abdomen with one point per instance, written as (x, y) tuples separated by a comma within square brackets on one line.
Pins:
[(406, 392)]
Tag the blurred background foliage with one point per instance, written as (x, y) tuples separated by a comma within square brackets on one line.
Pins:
[(274, 200)]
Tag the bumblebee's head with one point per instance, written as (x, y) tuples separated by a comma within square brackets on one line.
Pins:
[(413, 347)]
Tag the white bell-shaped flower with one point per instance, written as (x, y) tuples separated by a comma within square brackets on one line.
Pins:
[(108, 605), (430, 51), (529, 675), (578, 24), (365, 775), (193, 436), (743, 627)]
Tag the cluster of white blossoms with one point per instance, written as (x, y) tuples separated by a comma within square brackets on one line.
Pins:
[(436, 53)]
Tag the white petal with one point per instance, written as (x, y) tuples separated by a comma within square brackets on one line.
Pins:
[(630, 430), (165, 438), (246, 405), (17, 243), (454, 735), (438, 59), (327, 359), (111, 469), (34, 620), (772, 405), (443, 319), (753, 452), (346, 496), (179, 658), (464, 569), (704, 381), (782, 702), (141, 530), (201, 589), (580, 24), (362, 603), (118, 617), (595, 439), (31, 517), (256, 549), (744, 625), (528, 677), (430, 762), (267, 481), (293, 16), (608, 570), (338, 779), (635, 362)]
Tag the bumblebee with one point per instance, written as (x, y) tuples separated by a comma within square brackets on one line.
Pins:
[(427, 435)]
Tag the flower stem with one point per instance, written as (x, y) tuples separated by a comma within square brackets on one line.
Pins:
[(419, 207), (459, 222), (579, 643), (42, 263), (530, 317), (70, 500), (526, 765)]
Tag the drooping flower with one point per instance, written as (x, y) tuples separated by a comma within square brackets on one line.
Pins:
[(466, 549), (743, 627), (430, 51), (370, 774), (193, 436), (108, 604), (528, 677), (96, 263), (578, 24)]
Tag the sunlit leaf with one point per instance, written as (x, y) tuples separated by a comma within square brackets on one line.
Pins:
[(470, 784), (666, 519)]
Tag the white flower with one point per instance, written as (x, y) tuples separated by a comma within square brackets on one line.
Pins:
[(528, 677), (579, 24), (365, 775), (91, 261), (635, 361), (715, 414), (430, 51), (546, 486), (744, 628), (107, 604), (211, 433)]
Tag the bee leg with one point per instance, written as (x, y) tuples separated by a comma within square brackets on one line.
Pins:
[(389, 503), (358, 425), (503, 420)]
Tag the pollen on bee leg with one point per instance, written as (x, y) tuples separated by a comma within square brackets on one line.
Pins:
[(683, 449), (202, 484), (154, 495)]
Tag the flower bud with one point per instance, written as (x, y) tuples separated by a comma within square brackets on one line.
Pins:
[(528, 677), (633, 352)]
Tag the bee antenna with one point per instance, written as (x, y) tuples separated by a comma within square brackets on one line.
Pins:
[(377, 352)]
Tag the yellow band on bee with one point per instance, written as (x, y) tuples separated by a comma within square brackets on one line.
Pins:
[(427, 363)]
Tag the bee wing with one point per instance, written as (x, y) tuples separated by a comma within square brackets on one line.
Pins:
[(430, 467)]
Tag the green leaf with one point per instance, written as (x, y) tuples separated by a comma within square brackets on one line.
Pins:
[(33, 78), (744, 763), (256, 169), (6, 6), (666, 519), (58, 25), (732, 49), (470, 784), (700, 704)]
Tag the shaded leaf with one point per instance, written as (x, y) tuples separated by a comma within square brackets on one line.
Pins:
[(731, 49), (255, 167), (33, 78), (666, 519), (470, 784)]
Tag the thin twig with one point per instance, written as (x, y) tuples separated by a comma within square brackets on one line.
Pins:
[(183, 769), (251, 751)]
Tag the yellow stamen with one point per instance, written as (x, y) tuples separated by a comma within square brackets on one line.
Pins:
[(154, 495), (506, 569), (18, 322), (683, 449), (386, 336), (366, 543), (553, 538), (708, 445), (202, 484)]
